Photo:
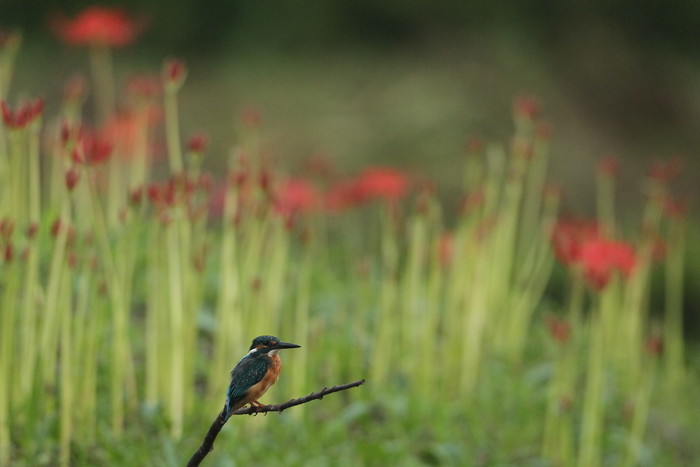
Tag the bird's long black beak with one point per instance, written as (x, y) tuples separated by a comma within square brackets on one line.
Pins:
[(285, 345)]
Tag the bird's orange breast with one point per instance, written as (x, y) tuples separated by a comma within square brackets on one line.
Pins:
[(258, 389)]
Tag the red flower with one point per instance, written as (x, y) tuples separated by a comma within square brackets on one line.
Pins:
[(174, 73), (198, 143), (601, 257), (23, 115), (381, 182), (91, 148), (569, 235), (295, 196), (97, 25), (527, 107), (72, 177)]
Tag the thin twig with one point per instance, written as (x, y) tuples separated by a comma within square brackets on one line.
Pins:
[(218, 424)]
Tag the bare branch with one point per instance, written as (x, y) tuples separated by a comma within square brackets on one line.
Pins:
[(218, 424), (250, 410)]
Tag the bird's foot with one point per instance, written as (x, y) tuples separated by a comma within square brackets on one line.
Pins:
[(257, 406)]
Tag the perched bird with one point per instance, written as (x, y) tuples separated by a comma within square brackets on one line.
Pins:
[(255, 373)]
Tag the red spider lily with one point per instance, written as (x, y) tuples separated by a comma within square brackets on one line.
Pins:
[(23, 115), (382, 182), (600, 258), (72, 178), (295, 196), (559, 329), (91, 148), (569, 235), (527, 107), (198, 143), (177, 189), (174, 73), (97, 25), (161, 194)]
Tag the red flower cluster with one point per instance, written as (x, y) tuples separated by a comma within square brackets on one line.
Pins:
[(23, 115), (569, 235), (372, 183), (295, 196), (89, 147), (579, 244), (97, 25), (601, 257)]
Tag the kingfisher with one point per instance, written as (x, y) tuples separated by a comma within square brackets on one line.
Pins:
[(255, 373)]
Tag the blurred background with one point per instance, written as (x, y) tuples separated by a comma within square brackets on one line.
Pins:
[(408, 83)]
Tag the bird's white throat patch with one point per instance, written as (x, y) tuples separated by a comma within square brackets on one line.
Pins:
[(273, 352)]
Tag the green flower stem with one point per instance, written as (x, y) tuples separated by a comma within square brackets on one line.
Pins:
[(429, 333), (120, 357), (301, 332), (177, 331), (589, 454), (68, 409), (536, 176), (172, 129), (640, 417), (532, 274), (140, 168), (17, 170), (576, 298), (88, 326), (383, 343), (228, 333), (412, 295), (103, 78), (28, 326), (8, 316), (51, 310), (34, 188), (154, 362), (674, 359), (559, 431), (473, 330)]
